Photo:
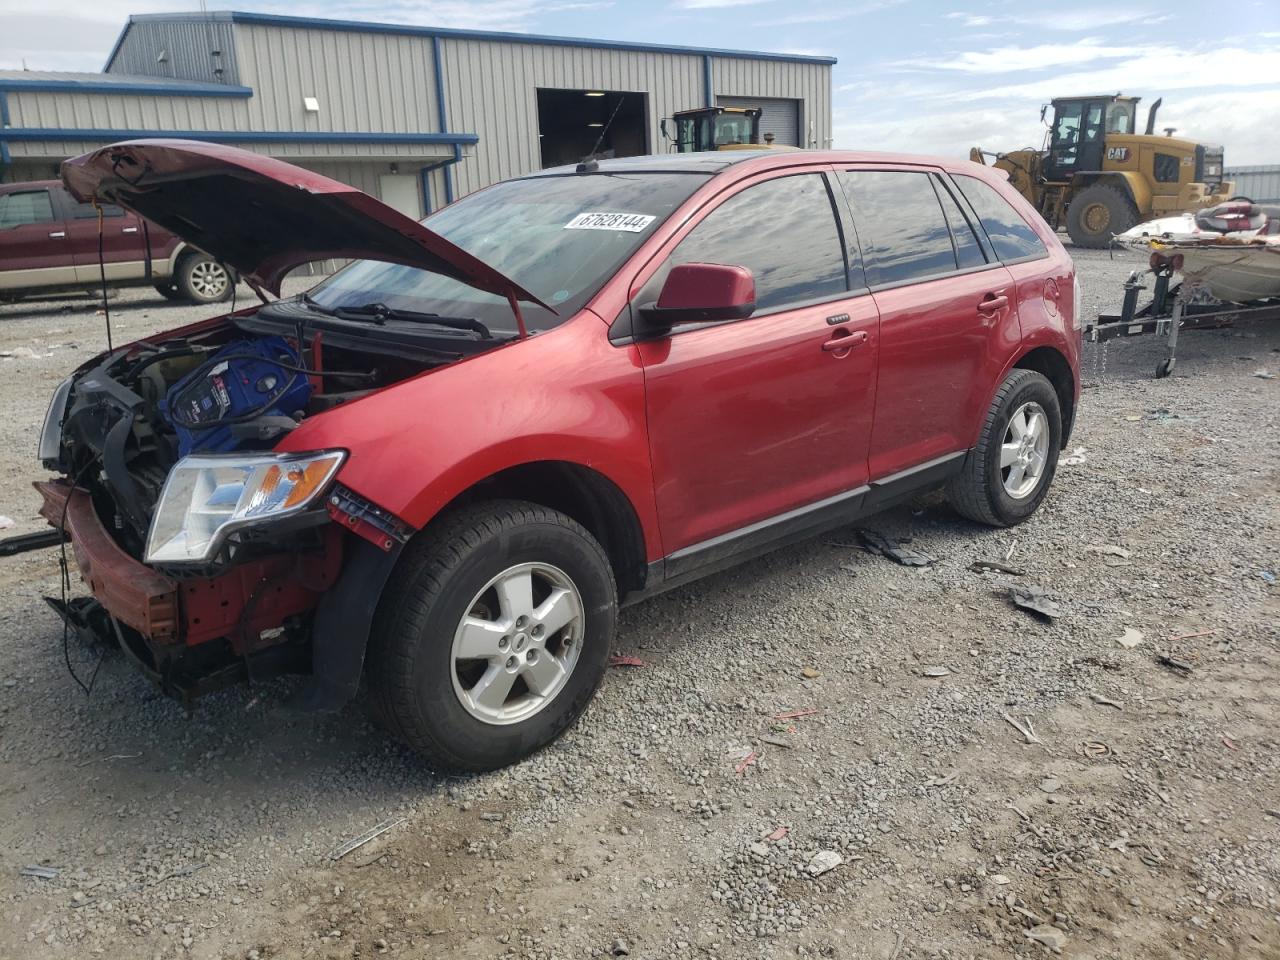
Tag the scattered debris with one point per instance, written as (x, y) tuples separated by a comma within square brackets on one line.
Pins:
[(1078, 456), (810, 673), (995, 566), (1050, 936), (1036, 600), (1229, 743), (1050, 784), (1267, 575), (5, 522), (1028, 732), (1192, 636), (778, 834), (620, 948), (1105, 702), (745, 762), (39, 872), (491, 817), (935, 672), (943, 781), (782, 742), (355, 843), (1000, 879), (1172, 662), (1094, 749), (1110, 550), (795, 714), (114, 756), (877, 543), (618, 661), (1264, 374), (1130, 638), (824, 861)]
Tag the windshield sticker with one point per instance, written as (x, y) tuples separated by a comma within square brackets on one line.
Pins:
[(627, 222)]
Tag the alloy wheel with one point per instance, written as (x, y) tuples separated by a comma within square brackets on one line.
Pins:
[(1025, 450), (209, 279), (517, 645)]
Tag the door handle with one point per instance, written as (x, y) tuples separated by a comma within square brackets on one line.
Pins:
[(129, 230), (58, 234), (845, 340), (991, 304)]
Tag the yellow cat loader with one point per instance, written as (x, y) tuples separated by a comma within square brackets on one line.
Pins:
[(1099, 178), (718, 128)]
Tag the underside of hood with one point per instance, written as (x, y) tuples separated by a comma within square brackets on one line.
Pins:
[(264, 217)]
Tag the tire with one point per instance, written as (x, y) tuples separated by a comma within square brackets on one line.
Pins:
[(202, 279), (167, 290), (981, 491), (427, 697), (1097, 213)]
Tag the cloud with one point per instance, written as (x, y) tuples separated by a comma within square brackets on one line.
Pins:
[(716, 4), (971, 19), (1012, 59), (827, 14), (1087, 18)]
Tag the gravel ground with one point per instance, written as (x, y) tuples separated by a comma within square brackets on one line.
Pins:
[(683, 816)]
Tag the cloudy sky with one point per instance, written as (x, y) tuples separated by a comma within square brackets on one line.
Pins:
[(919, 75)]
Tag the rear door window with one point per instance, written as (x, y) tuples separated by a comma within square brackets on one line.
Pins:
[(901, 226), (784, 231), (1010, 235), (24, 207), (968, 250)]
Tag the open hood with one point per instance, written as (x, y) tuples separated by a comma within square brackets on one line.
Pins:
[(263, 217)]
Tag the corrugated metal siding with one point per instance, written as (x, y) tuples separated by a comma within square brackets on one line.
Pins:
[(807, 82), (778, 116), (74, 110), (1260, 184), (364, 81), (188, 45), (491, 90)]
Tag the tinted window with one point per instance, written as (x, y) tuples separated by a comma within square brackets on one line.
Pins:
[(968, 251), (901, 227), (784, 231), (21, 208), (1010, 235), (1166, 168), (559, 237), (85, 211)]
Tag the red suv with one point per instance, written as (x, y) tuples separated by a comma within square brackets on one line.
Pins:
[(446, 466)]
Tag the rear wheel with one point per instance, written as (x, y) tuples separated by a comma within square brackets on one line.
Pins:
[(1007, 475), (493, 635), (1097, 213), (202, 279)]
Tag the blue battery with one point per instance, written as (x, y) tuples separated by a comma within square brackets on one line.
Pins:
[(243, 378)]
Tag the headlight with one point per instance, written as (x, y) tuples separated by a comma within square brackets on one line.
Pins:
[(50, 449), (207, 497)]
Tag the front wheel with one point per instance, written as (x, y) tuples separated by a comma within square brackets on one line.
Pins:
[(1007, 475), (493, 635), (1097, 213)]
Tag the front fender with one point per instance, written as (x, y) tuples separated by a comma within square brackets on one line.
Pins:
[(565, 395)]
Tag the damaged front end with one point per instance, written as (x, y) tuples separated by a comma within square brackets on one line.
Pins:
[(211, 556)]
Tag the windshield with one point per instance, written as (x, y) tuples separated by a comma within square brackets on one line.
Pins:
[(559, 237)]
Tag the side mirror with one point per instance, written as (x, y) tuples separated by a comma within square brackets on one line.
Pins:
[(662, 127), (700, 293)]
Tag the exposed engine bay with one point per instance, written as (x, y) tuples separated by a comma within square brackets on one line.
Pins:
[(239, 384)]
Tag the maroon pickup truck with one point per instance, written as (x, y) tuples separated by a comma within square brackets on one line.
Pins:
[(49, 243)]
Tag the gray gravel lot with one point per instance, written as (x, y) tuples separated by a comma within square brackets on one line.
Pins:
[(681, 816)]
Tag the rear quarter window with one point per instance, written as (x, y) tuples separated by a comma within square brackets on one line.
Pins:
[(1010, 235)]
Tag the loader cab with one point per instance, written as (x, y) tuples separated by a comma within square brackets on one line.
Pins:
[(1079, 131), (713, 128)]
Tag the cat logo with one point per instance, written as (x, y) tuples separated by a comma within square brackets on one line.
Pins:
[(1118, 153)]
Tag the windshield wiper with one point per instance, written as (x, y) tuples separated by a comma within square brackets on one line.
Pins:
[(310, 302), (380, 313)]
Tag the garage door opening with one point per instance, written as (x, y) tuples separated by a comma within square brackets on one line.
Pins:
[(570, 122), (777, 116)]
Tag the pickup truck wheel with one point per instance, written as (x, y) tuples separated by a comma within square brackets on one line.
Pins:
[(1007, 475), (492, 635), (168, 291), (202, 279)]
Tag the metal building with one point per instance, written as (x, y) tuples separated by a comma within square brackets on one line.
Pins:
[(413, 115), (1261, 184)]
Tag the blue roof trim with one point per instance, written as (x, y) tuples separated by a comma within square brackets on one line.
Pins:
[(160, 89), (359, 26), (19, 134)]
